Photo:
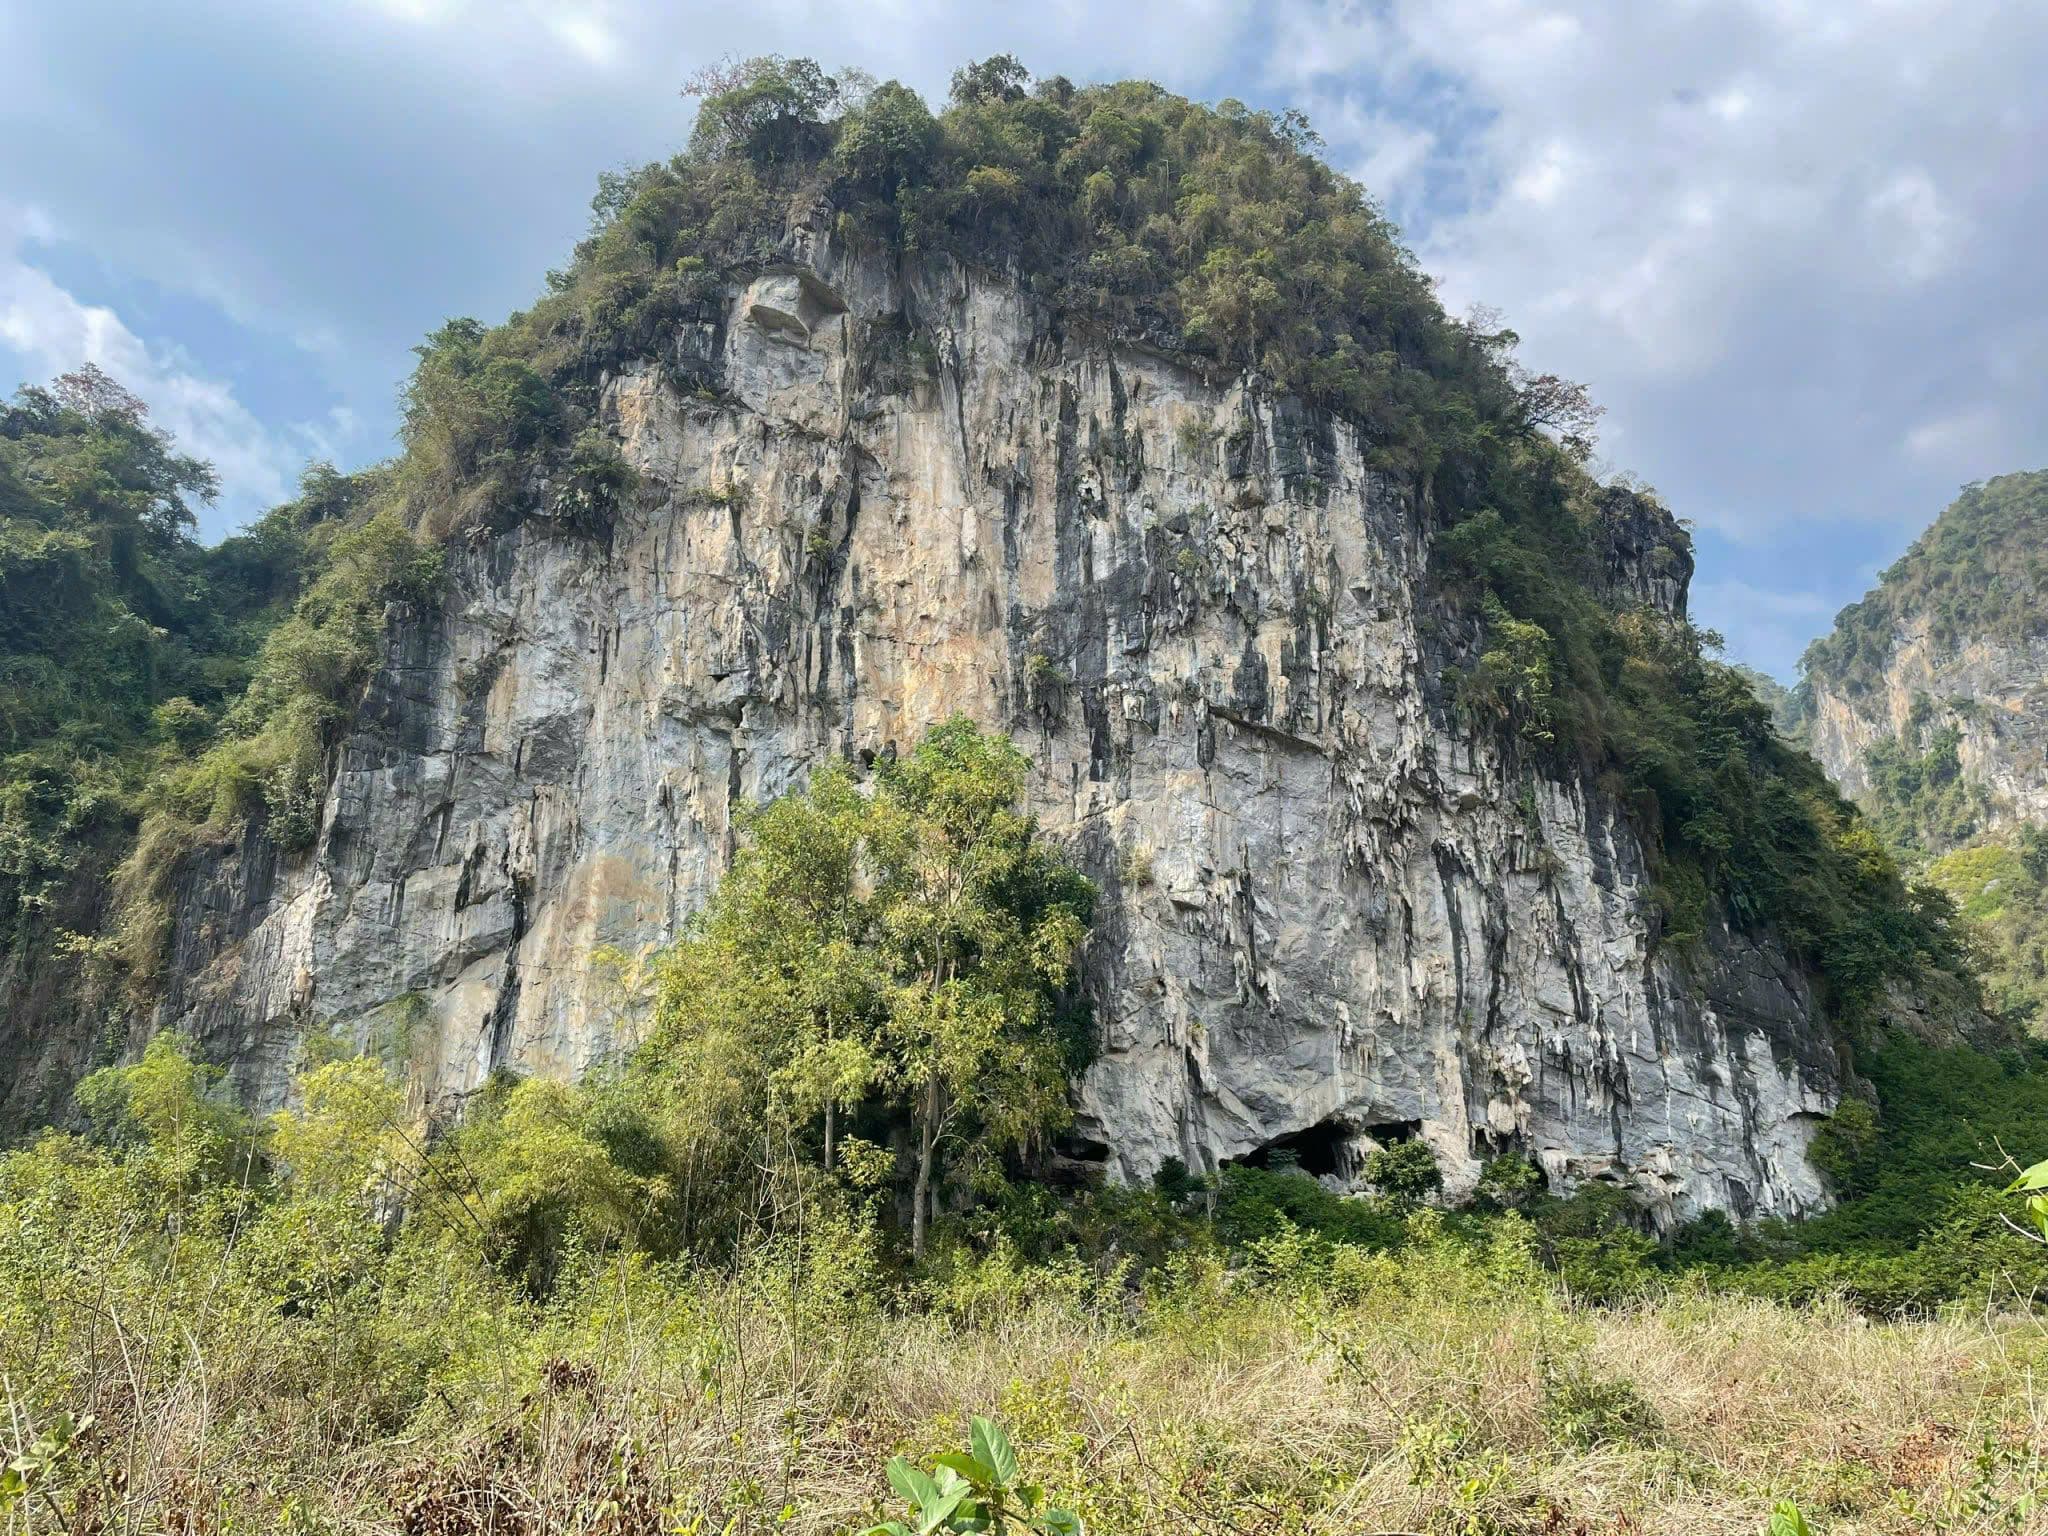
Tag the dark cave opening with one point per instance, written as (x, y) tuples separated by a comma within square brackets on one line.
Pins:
[(1332, 1148), (1323, 1150)]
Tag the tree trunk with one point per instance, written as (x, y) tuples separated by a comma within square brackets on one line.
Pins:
[(831, 1125), (921, 1191)]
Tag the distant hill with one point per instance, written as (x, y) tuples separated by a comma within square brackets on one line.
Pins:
[(1928, 702), (1929, 698)]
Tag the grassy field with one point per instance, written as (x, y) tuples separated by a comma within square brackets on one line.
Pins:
[(1301, 1388)]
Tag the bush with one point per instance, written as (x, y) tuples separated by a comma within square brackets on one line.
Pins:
[(1256, 1203), (1585, 1409), (1405, 1171)]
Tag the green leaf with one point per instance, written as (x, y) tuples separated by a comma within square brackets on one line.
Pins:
[(889, 1528), (969, 1467), (1064, 1522), (2035, 1177), (1787, 1521), (940, 1510), (923, 1491), (906, 1479), (991, 1445)]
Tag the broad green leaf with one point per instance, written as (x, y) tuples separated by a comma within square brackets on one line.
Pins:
[(969, 1467), (1061, 1522), (923, 1491), (993, 1446), (889, 1528), (901, 1474), (1786, 1520), (940, 1510), (2035, 1177)]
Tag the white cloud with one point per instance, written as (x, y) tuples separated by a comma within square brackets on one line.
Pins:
[(1909, 215), (1540, 180), (1766, 232), (1966, 442), (54, 332)]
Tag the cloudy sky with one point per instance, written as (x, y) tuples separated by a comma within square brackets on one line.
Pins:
[(1796, 246)]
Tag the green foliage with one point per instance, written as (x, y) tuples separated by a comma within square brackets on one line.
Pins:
[(872, 967), (1509, 1182), (1513, 678), (1216, 231), (1254, 1204), (1981, 571), (1405, 1171), (2000, 888), (30, 1466), (1842, 1144), (473, 414), (121, 638), (1595, 1241), (187, 1135), (1919, 800), (980, 1490), (2033, 1183), (1581, 1407)]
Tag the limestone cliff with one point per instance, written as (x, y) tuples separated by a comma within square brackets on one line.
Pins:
[(1954, 639), (1333, 914)]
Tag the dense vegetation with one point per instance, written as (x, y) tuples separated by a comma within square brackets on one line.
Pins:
[(1980, 570), (121, 639), (1919, 798), (2000, 886), (147, 682)]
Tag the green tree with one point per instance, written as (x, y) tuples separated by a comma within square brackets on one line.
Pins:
[(903, 952), (980, 920)]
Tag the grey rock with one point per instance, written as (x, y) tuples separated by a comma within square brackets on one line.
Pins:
[(1331, 915)]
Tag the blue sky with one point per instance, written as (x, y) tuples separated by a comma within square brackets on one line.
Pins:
[(1795, 246)]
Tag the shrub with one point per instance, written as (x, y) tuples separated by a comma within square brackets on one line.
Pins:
[(1405, 1171), (1585, 1409)]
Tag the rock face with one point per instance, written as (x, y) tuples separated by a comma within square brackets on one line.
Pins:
[(873, 495), (1953, 638), (1992, 691)]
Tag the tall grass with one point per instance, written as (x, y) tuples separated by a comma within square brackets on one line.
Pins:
[(1451, 1388)]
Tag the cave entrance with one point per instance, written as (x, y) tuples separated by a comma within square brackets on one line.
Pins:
[(1327, 1149), (1331, 1149)]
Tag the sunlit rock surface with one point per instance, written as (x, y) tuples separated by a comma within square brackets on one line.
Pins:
[(872, 495)]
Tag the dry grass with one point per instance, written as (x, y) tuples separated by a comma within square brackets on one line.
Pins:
[(1443, 1392)]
